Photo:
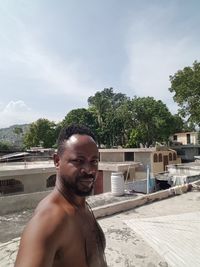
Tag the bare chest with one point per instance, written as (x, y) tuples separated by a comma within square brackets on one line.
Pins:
[(83, 243), (94, 241)]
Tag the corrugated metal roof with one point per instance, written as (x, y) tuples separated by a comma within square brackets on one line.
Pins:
[(14, 155)]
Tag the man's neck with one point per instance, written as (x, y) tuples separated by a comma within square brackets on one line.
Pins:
[(70, 197)]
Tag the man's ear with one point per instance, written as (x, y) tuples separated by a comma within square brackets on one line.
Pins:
[(56, 159)]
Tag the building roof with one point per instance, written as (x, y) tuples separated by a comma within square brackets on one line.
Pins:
[(12, 156), (139, 150), (108, 150), (186, 133)]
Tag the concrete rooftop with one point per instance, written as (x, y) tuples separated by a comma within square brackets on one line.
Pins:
[(163, 233), (26, 167)]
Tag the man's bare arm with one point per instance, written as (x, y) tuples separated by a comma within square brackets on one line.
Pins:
[(38, 243)]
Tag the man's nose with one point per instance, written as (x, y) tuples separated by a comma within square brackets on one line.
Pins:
[(88, 168)]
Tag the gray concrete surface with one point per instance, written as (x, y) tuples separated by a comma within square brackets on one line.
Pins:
[(127, 232), (131, 236)]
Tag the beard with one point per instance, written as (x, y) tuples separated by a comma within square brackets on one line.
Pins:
[(82, 186)]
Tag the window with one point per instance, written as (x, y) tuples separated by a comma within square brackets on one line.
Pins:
[(174, 156), (160, 157), (129, 156), (175, 137), (188, 139), (170, 156), (155, 158)]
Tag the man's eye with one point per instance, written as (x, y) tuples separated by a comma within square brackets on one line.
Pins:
[(94, 162), (79, 161)]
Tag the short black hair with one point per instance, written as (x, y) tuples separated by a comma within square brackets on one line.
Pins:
[(67, 132)]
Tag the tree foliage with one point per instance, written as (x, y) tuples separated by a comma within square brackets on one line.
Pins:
[(129, 123), (79, 116), (5, 146), (41, 133), (185, 84), (106, 106), (152, 122), (115, 119)]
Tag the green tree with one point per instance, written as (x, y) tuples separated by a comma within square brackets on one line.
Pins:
[(105, 105), (5, 146), (42, 132), (99, 104), (117, 125), (137, 137), (151, 122), (185, 84), (178, 123), (81, 116)]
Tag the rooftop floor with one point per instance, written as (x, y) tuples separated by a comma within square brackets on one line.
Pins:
[(163, 233)]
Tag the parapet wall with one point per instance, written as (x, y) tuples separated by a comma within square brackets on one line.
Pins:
[(14, 203)]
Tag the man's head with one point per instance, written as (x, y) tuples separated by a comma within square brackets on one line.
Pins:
[(67, 132), (77, 159)]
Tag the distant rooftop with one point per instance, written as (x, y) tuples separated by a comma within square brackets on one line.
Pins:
[(127, 149)]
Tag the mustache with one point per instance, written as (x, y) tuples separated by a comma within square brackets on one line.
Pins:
[(87, 176)]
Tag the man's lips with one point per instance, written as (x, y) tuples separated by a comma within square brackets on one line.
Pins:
[(87, 180)]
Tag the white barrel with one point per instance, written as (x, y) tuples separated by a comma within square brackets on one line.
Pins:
[(117, 183)]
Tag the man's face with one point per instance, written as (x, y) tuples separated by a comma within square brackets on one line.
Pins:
[(77, 166)]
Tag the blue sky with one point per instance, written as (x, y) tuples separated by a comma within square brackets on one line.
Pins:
[(55, 54)]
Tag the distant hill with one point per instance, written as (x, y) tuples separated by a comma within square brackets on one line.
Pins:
[(9, 134)]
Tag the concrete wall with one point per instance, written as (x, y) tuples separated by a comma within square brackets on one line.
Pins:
[(132, 174), (187, 152), (182, 138), (160, 166), (190, 152), (14, 203), (140, 155), (140, 186), (33, 182), (183, 169), (193, 178), (112, 156), (107, 181), (144, 158), (107, 178)]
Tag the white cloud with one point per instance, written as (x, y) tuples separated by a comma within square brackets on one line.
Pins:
[(16, 106), (154, 55), (151, 63), (28, 69), (25, 55), (16, 112), (60, 77)]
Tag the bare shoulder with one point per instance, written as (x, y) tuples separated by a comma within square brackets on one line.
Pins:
[(45, 234), (49, 218)]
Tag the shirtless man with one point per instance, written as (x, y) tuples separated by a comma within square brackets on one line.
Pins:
[(63, 231)]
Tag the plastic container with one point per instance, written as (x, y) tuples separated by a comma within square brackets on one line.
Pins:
[(117, 183)]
